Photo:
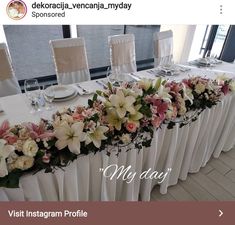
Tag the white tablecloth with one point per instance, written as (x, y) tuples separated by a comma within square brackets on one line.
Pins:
[(185, 150)]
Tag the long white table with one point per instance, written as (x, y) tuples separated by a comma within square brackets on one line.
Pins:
[(185, 150)]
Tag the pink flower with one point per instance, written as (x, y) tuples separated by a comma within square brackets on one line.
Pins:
[(156, 121), (10, 138), (187, 82), (46, 158), (174, 87), (98, 105), (225, 89), (159, 107), (148, 98), (78, 117), (174, 111), (144, 122), (4, 128), (88, 112), (91, 125), (131, 127), (221, 82), (38, 132), (80, 109)]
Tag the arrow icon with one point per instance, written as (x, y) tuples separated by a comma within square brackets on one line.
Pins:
[(220, 213)]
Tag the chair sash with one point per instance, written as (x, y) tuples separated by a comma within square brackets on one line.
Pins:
[(163, 47), (70, 60), (8, 82), (122, 53), (5, 67)]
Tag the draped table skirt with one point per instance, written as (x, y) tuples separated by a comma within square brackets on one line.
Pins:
[(184, 150)]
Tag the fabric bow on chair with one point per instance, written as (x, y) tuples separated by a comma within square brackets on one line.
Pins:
[(163, 47), (122, 53), (70, 60), (8, 82)]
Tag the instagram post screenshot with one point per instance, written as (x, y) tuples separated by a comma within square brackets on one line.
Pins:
[(117, 112)]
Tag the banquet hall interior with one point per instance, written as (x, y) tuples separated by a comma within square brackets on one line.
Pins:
[(117, 112)]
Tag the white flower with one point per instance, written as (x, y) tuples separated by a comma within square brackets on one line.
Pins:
[(114, 119), (70, 136), (222, 77), (188, 95), (24, 162), (96, 136), (125, 138), (182, 108), (67, 118), (18, 145), (57, 122), (232, 85), (122, 104), (145, 84), (30, 148), (199, 88), (163, 93), (5, 151), (136, 91)]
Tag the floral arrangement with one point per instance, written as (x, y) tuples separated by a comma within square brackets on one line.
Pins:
[(114, 119)]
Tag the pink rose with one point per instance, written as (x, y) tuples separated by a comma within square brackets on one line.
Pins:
[(156, 121), (174, 111), (78, 117), (46, 158), (220, 82), (10, 138), (131, 127)]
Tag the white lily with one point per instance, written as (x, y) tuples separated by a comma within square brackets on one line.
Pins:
[(70, 136), (96, 136), (114, 119), (188, 94), (5, 151), (122, 104), (232, 85), (136, 116), (145, 83), (163, 93), (222, 77)]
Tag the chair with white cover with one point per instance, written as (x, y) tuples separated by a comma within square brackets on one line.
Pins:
[(8, 82), (122, 53), (70, 60), (163, 47)]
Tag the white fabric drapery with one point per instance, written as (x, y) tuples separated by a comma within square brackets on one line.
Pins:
[(8, 82), (70, 60), (122, 53)]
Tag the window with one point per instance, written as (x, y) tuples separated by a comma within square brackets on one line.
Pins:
[(32, 57), (30, 51)]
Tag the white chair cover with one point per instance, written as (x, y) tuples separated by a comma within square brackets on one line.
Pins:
[(163, 47), (8, 82), (70, 59), (122, 53)]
